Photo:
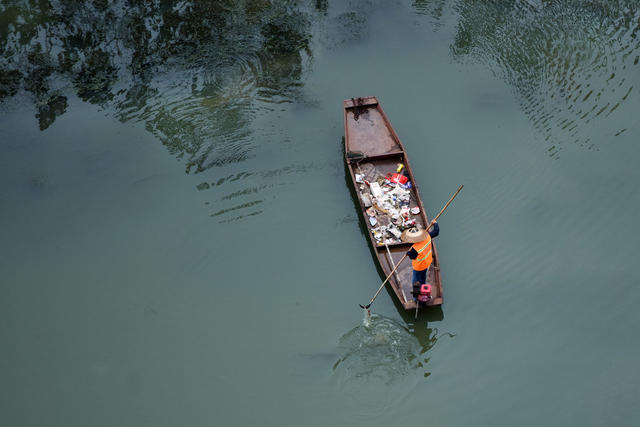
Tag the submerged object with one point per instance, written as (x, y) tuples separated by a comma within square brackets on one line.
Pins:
[(368, 132)]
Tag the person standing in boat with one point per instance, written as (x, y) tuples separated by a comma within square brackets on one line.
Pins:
[(421, 253)]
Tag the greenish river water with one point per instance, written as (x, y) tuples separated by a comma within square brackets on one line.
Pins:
[(179, 246)]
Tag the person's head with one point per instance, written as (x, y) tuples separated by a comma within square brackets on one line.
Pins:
[(414, 234)]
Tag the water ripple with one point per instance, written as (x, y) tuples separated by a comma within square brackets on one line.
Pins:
[(570, 64), (241, 189), (381, 350)]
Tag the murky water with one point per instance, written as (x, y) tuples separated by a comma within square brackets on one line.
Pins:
[(179, 246)]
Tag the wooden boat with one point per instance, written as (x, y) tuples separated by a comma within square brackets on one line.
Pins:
[(371, 142)]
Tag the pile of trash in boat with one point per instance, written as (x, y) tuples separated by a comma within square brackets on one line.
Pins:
[(387, 200)]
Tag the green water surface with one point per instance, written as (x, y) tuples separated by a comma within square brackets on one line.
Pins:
[(179, 247)]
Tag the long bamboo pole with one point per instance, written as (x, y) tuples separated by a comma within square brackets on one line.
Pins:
[(393, 264), (383, 283)]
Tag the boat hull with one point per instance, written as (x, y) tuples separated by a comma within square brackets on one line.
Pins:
[(372, 148)]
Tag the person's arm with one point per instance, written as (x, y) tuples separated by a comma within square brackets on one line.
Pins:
[(435, 230), (412, 253)]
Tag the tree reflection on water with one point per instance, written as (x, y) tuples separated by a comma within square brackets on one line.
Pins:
[(189, 70), (193, 71)]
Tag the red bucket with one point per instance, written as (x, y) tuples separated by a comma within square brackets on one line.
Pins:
[(425, 293)]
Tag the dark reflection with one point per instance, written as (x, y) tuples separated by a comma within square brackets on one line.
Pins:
[(322, 5), (433, 8), (251, 185), (241, 206), (568, 61), (52, 108), (192, 71), (426, 336)]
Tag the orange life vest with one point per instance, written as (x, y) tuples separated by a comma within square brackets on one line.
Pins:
[(425, 254)]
